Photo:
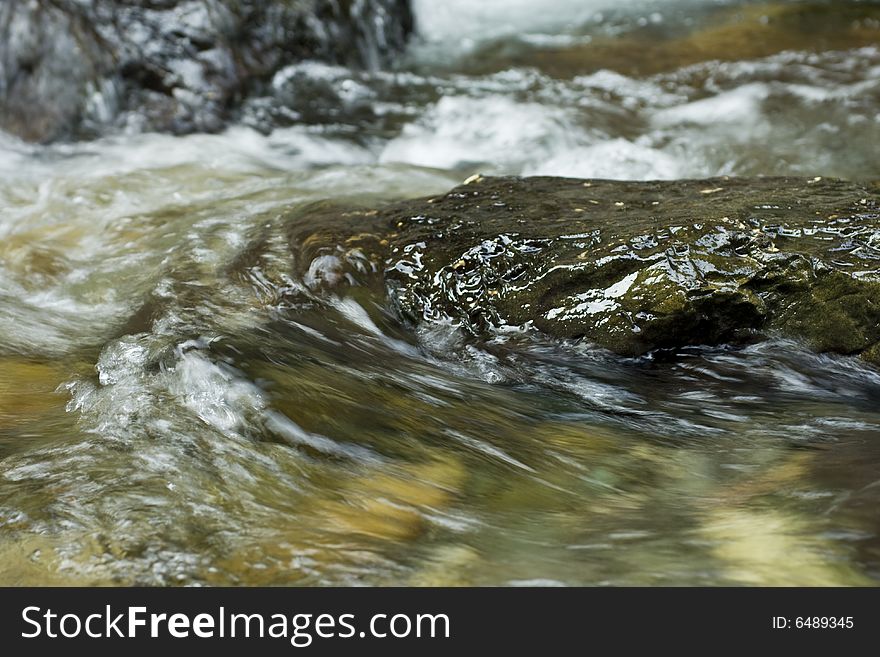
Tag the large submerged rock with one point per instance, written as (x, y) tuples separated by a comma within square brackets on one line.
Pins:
[(638, 266), (71, 68)]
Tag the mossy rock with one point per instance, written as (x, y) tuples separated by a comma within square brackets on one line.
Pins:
[(637, 266)]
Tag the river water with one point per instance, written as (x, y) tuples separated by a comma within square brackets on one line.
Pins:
[(182, 402)]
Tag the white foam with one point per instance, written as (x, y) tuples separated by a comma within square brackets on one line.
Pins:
[(499, 131), (216, 396), (630, 92), (460, 24), (617, 159), (741, 105), (237, 150)]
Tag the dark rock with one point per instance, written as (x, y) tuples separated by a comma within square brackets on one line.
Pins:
[(637, 266), (71, 68)]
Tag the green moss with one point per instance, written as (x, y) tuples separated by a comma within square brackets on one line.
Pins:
[(872, 354), (634, 266)]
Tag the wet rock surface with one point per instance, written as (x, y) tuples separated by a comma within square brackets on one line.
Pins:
[(73, 68), (639, 266)]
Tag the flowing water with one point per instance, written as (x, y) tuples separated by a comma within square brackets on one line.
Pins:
[(183, 402)]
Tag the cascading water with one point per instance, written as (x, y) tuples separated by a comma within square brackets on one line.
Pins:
[(201, 382)]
